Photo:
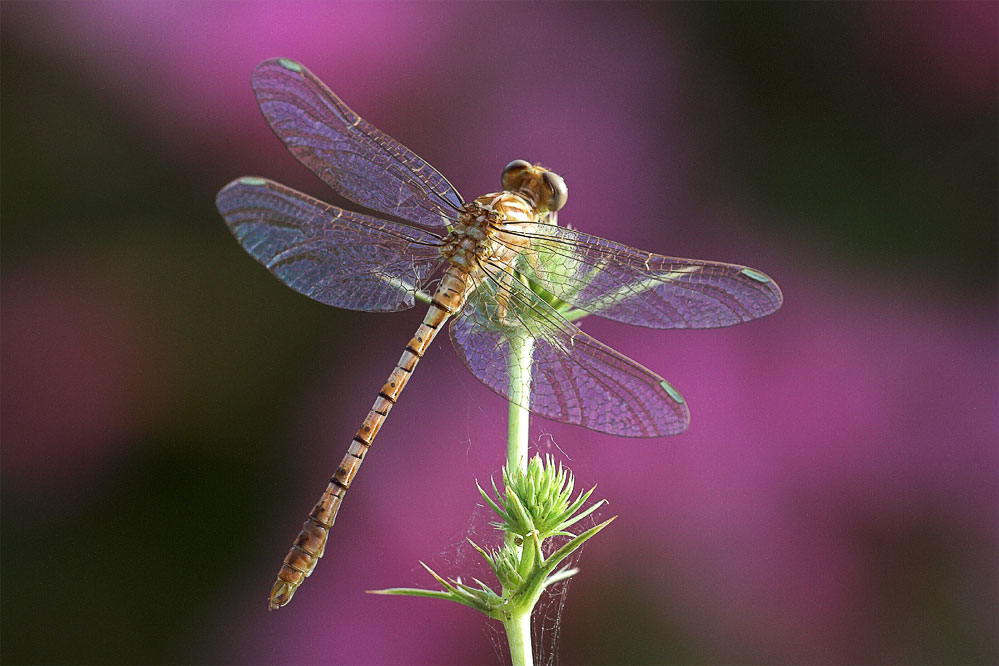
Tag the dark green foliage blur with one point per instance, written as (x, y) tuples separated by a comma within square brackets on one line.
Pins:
[(888, 173)]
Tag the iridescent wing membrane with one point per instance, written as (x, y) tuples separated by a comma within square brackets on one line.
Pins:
[(355, 159), (574, 378), (337, 257), (622, 283)]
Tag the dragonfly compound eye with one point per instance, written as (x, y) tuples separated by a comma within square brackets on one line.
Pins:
[(513, 174), (559, 192)]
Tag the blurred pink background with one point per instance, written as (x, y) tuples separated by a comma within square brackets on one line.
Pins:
[(170, 411)]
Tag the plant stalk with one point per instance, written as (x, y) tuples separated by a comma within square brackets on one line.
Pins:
[(518, 634), (517, 441), (518, 627)]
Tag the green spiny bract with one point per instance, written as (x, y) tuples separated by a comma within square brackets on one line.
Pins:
[(538, 501)]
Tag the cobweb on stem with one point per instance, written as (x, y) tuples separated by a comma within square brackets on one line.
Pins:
[(459, 557)]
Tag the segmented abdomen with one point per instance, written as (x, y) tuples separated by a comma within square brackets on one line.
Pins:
[(310, 545)]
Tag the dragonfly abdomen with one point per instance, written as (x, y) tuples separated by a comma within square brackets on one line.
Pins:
[(310, 545)]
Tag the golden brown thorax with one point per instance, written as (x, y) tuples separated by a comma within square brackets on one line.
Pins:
[(530, 193)]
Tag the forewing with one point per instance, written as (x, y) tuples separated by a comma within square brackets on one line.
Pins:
[(346, 152), (574, 378), (619, 282), (335, 256)]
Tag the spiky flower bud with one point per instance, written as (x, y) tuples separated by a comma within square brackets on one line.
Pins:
[(538, 501), (534, 506)]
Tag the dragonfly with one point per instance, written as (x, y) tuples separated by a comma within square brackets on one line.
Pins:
[(499, 267)]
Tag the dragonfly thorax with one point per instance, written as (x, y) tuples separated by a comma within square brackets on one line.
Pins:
[(478, 234)]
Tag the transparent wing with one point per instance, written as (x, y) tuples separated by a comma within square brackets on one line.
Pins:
[(347, 153), (574, 378), (619, 282), (335, 256)]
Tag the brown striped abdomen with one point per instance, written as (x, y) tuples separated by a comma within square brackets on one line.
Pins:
[(301, 560)]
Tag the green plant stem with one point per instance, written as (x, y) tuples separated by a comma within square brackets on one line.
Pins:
[(520, 394), (518, 634), (518, 626)]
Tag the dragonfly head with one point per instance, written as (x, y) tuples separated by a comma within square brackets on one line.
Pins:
[(544, 188)]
